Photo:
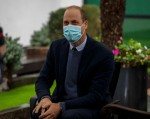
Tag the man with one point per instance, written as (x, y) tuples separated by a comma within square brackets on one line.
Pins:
[(82, 68)]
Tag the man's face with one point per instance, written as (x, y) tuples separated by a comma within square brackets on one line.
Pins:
[(73, 17)]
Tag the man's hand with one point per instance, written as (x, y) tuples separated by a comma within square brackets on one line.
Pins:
[(44, 104), (52, 112)]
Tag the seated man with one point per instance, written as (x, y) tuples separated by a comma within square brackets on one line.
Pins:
[(82, 68)]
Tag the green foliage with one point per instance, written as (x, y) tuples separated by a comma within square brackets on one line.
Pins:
[(40, 38), (132, 53), (98, 38), (93, 15), (14, 52), (56, 24)]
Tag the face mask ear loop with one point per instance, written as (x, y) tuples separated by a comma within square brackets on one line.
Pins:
[(84, 29)]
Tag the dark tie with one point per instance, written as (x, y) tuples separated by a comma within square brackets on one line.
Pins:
[(74, 49)]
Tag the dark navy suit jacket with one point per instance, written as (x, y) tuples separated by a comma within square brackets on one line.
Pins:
[(94, 74)]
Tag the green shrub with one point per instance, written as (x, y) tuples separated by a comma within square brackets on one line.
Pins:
[(14, 52), (93, 15), (40, 38), (56, 24)]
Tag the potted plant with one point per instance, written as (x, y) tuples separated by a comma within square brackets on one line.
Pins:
[(132, 85), (12, 58), (131, 54), (39, 44)]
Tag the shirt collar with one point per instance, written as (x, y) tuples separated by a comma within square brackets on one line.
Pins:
[(81, 46)]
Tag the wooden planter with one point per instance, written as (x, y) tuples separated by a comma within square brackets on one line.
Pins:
[(132, 87), (36, 52)]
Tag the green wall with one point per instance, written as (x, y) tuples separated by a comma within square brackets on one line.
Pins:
[(138, 29), (138, 7), (95, 2)]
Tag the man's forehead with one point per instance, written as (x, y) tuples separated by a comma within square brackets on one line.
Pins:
[(72, 13)]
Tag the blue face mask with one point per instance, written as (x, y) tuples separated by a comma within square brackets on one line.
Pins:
[(72, 33)]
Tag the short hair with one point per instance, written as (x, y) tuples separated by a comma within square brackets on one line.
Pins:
[(1, 29), (83, 15)]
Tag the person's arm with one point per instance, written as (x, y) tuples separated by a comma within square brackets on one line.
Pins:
[(2, 50), (2, 43), (47, 76), (43, 84)]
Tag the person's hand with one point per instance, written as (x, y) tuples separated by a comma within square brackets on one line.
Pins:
[(52, 112), (2, 50), (44, 104)]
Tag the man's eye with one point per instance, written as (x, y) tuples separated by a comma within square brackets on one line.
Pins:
[(66, 23)]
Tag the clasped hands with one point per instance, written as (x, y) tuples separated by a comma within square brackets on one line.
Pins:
[(48, 109)]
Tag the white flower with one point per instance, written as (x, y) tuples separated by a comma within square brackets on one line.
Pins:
[(145, 47), (138, 51)]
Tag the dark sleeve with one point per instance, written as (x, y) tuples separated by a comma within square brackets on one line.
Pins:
[(99, 85), (2, 41), (47, 76)]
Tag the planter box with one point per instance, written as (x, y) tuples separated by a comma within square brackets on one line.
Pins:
[(36, 52), (20, 112), (132, 87)]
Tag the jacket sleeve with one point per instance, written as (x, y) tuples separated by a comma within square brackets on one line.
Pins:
[(47, 76)]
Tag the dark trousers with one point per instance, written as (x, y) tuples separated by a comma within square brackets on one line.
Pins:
[(80, 114), (76, 114)]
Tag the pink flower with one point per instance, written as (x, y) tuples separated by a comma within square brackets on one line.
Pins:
[(121, 38), (115, 51)]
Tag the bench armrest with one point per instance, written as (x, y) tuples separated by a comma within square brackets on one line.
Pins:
[(126, 112)]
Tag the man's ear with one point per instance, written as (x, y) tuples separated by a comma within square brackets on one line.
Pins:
[(86, 24)]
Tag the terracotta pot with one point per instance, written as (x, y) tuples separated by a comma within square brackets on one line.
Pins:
[(36, 52)]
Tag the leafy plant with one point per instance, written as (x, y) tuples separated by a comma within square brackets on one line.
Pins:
[(98, 38), (40, 38), (131, 54), (55, 24), (14, 52), (93, 15)]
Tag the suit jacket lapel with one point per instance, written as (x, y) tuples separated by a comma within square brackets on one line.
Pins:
[(87, 52), (63, 60)]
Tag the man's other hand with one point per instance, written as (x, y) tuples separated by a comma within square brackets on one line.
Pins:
[(52, 112), (43, 105)]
